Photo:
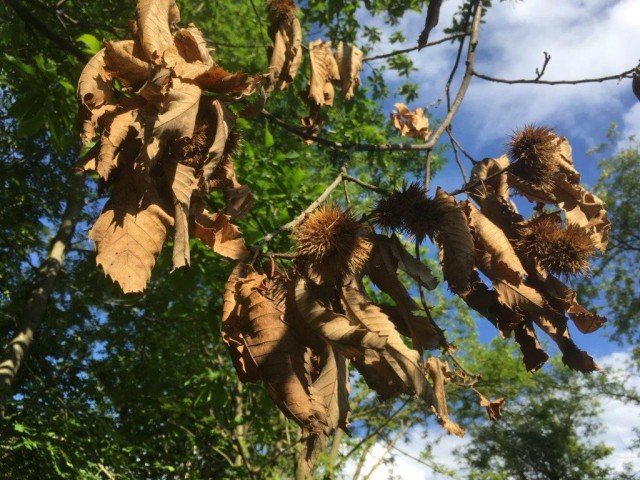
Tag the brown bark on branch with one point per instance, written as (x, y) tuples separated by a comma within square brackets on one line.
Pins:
[(538, 81), (18, 347)]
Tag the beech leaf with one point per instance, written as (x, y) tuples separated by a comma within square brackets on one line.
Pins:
[(410, 124), (183, 184), (349, 60), (324, 70), (285, 56), (129, 234), (153, 20), (215, 231)]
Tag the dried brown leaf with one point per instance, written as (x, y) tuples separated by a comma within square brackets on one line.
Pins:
[(225, 121), (409, 264), (123, 62), (285, 56), (332, 389), (349, 60), (115, 132), (183, 183), (216, 231), (456, 242), (94, 93), (245, 367), (192, 46), (405, 362), (433, 15), (533, 354), (277, 353), (436, 370), (586, 321), (494, 407), (153, 19), (129, 233), (556, 327), (324, 70), (505, 264), (410, 124)]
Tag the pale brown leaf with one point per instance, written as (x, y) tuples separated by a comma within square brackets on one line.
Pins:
[(183, 183), (410, 124), (115, 132), (406, 362), (533, 354), (94, 93), (332, 389), (215, 230), (456, 242), (192, 46), (245, 367), (153, 21), (324, 70), (216, 79), (349, 60), (436, 370), (129, 234), (276, 352), (586, 321), (409, 264), (124, 63), (494, 407), (225, 122), (505, 264), (286, 54)]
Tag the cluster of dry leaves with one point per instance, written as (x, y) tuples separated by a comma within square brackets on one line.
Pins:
[(327, 68), (165, 141), (158, 107)]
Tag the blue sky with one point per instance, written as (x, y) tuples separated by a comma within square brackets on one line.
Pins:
[(586, 39)]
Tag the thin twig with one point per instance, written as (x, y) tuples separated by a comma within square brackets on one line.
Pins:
[(476, 183), (537, 81), (540, 73), (413, 49), (456, 156), (300, 218), (377, 430), (390, 446), (368, 186), (460, 147)]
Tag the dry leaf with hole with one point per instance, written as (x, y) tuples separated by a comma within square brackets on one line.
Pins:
[(215, 231), (410, 124)]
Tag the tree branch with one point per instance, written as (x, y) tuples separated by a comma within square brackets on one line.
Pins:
[(28, 17), (618, 77), (413, 49), (16, 350)]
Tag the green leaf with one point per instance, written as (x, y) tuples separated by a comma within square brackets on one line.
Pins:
[(92, 44)]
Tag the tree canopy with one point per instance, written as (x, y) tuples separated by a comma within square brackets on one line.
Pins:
[(221, 258)]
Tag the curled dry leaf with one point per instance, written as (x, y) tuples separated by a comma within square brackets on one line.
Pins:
[(123, 61), (433, 15), (437, 372), (285, 56), (349, 60), (192, 46), (585, 320), (153, 20), (404, 361), (183, 183), (215, 231), (410, 124), (324, 70), (276, 353), (409, 264), (494, 407), (492, 240), (456, 242), (94, 94)]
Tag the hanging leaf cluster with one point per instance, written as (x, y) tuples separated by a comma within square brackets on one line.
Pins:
[(523, 259), (295, 330), (158, 106), (160, 135)]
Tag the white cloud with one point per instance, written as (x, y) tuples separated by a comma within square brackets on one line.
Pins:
[(586, 39)]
